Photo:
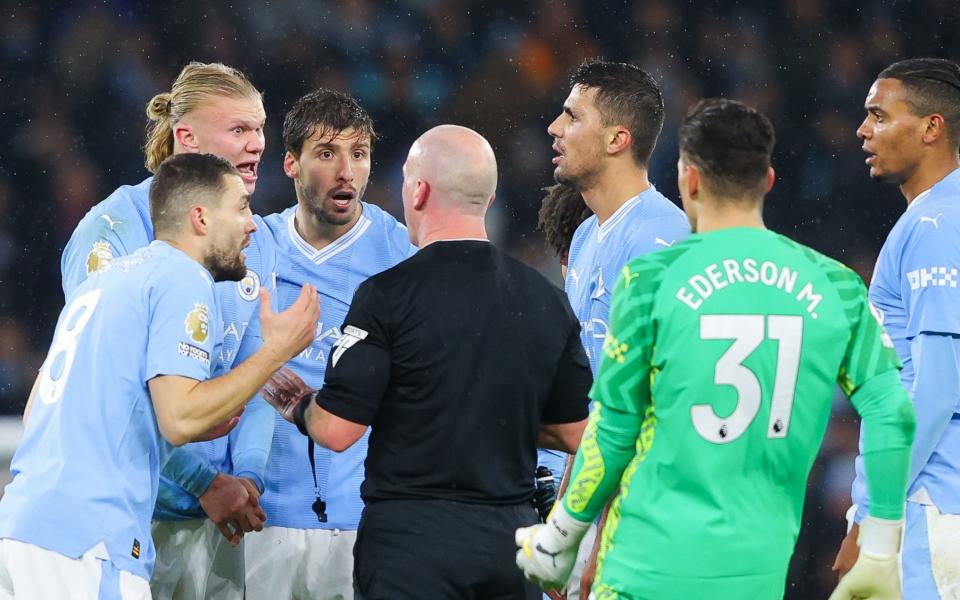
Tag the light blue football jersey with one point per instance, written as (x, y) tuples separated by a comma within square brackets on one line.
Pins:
[(114, 227), (239, 303), (645, 223), (376, 243), (87, 469), (916, 289)]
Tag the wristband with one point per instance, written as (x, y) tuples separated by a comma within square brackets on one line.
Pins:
[(300, 412), (880, 537)]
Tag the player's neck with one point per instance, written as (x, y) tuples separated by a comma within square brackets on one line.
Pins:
[(320, 234), (435, 228), (712, 217), (613, 189), (194, 251), (928, 175)]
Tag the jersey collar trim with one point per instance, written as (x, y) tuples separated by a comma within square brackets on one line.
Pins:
[(605, 229), (336, 247), (920, 197)]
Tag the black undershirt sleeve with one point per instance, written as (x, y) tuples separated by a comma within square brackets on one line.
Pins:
[(358, 368), (569, 401)]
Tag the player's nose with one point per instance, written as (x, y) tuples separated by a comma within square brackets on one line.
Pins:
[(554, 128), (345, 172)]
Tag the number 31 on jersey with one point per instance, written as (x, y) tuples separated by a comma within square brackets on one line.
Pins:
[(747, 333)]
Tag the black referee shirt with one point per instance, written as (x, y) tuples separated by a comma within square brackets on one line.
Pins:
[(455, 357)]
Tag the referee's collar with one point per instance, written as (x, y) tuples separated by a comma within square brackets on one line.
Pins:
[(458, 240)]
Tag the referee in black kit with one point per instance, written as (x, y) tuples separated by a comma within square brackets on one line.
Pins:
[(462, 361)]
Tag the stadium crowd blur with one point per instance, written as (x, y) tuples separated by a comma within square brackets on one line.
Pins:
[(75, 78)]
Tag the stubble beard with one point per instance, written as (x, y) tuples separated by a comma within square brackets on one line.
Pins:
[(315, 206), (225, 266)]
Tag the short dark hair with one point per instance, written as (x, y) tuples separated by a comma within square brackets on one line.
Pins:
[(731, 143), (325, 113), (628, 96), (561, 212), (181, 180), (934, 87)]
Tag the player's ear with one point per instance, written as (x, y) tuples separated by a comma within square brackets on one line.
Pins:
[(934, 128), (693, 180), (619, 140), (198, 218), (183, 134), (771, 178), (421, 194), (291, 165)]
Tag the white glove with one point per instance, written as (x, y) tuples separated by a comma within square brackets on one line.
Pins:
[(547, 552), (876, 574)]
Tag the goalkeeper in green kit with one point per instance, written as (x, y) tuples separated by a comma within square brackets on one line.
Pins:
[(714, 394)]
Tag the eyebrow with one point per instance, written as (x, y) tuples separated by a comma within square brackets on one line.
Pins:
[(874, 108), (248, 123), (567, 109), (331, 146)]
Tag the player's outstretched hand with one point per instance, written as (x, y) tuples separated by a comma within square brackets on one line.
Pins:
[(283, 391), (875, 575), (547, 552), (287, 333)]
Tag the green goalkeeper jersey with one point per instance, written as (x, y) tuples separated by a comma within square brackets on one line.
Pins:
[(726, 349)]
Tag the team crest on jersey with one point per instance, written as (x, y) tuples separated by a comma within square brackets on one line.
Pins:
[(99, 257), (249, 286), (198, 323)]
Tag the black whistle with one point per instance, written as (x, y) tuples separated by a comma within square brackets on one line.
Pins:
[(320, 508)]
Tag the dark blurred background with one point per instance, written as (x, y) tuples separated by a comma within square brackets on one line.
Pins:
[(75, 78)]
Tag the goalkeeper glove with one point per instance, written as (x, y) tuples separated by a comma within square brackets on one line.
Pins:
[(876, 574), (547, 552)]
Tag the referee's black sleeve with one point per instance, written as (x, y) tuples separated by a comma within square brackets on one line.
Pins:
[(569, 401), (358, 368)]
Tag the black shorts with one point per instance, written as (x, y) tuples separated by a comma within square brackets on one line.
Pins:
[(439, 549)]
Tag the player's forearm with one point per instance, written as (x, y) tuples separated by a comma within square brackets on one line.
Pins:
[(607, 447), (250, 441), (936, 392), (185, 413), (888, 429)]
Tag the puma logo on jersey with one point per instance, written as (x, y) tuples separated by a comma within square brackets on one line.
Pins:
[(926, 219), (110, 222), (572, 274), (663, 242)]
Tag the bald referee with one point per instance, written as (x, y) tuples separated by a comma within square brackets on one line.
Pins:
[(462, 361)]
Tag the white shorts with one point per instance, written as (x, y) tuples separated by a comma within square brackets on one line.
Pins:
[(29, 572), (195, 562), (931, 554), (300, 564)]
